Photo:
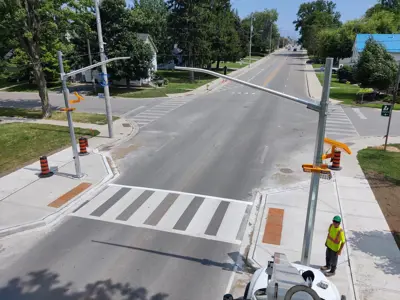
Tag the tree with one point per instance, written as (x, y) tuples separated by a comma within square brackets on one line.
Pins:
[(190, 28), (313, 17), (224, 37), (375, 68), (121, 40), (265, 30), (151, 17), (39, 27)]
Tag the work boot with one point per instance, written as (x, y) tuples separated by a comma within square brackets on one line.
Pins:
[(324, 268), (330, 273)]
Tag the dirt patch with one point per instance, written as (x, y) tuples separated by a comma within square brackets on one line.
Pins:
[(387, 194), (388, 148), (121, 152)]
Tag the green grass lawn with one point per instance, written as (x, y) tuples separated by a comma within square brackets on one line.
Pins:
[(255, 57), (79, 117), (23, 143), (381, 162), (178, 82), (382, 169), (347, 93), (317, 66)]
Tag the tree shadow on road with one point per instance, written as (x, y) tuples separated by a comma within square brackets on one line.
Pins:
[(32, 103), (46, 285), (381, 246)]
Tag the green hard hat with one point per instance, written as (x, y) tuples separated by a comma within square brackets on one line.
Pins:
[(337, 219)]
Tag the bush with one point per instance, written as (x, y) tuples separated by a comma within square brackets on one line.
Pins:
[(345, 73)]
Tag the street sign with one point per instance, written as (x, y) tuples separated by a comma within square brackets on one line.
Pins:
[(385, 112), (100, 95)]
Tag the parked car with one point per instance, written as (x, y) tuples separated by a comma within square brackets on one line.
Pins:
[(334, 70), (166, 66)]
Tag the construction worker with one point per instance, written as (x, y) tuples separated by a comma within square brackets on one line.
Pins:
[(334, 245)]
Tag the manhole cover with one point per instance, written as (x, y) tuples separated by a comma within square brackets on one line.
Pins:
[(126, 124), (350, 144), (286, 170)]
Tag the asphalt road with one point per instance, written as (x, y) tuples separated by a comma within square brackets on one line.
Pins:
[(90, 104), (222, 144)]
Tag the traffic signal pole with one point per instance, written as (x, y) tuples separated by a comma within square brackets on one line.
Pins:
[(104, 71), (321, 107)]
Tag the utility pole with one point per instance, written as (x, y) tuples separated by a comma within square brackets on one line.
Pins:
[(319, 150), (397, 82), (90, 62), (69, 117), (270, 38), (104, 71), (251, 36)]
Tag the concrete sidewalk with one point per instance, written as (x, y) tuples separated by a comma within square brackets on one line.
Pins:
[(369, 267), (27, 201)]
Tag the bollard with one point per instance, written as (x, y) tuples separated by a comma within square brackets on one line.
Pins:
[(336, 161), (82, 146), (44, 167)]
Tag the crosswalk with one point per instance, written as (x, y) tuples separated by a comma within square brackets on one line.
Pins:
[(158, 111), (181, 213), (245, 93), (338, 124)]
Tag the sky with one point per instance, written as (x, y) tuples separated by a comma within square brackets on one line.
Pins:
[(287, 9)]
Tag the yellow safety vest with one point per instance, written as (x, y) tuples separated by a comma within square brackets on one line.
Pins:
[(335, 238)]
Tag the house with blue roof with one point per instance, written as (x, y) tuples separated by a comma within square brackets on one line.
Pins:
[(390, 41)]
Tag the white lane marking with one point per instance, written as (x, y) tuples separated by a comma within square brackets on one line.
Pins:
[(144, 211), (181, 193), (113, 212), (340, 134), (340, 130), (253, 93), (227, 229), (335, 121), (132, 111), (97, 201), (175, 212), (202, 236), (151, 114), (359, 113), (200, 221), (264, 154), (256, 75)]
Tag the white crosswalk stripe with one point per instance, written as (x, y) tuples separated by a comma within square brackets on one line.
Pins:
[(338, 124), (182, 213), (156, 112)]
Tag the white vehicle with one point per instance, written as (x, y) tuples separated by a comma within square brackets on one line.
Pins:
[(284, 280)]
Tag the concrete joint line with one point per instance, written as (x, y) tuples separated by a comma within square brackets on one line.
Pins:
[(351, 278)]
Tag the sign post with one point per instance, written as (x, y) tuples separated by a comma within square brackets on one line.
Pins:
[(395, 88)]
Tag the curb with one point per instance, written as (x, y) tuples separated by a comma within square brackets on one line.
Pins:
[(250, 235), (53, 218)]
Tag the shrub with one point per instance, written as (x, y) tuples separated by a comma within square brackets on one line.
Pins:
[(345, 73)]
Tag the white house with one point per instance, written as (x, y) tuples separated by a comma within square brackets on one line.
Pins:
[(390, 41), (146, 38)]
